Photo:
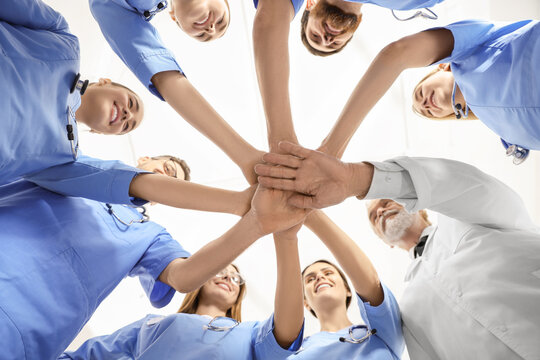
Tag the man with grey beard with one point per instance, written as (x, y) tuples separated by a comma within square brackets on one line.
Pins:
[(474, 283)]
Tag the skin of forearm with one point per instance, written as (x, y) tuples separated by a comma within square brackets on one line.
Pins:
[(186, 275), (271, 51), (190, 105), (417, 50), (354, 261), (361, 176), (380, 75), (288, 304), (187, 195)]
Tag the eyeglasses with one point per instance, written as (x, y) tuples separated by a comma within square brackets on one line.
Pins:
[(358, 334), (221, 323), (235, 277), (429, 14)]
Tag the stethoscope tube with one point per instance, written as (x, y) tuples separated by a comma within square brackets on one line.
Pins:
[(429, 15)]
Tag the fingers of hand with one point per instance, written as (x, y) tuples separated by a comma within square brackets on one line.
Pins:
[(294, 149), (284, 160), (280, 172), (302, 201), (281, 184)]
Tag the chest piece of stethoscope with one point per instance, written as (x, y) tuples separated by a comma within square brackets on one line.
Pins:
[(519, 153), (79, 85)]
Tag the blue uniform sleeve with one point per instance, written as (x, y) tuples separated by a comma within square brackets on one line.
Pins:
[(297, 4), (121, 344), (159, 254), (265, 344), (100, 180), (134, 40), (386, 319), (33, 14)]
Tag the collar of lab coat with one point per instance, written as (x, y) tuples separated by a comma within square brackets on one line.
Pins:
[(413, 267)]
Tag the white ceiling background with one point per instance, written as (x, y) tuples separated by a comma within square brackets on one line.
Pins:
[(223, 71)]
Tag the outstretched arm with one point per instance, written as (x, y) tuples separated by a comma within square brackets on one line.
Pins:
[(271, 47), (288, 304), (187, 195), (353, 260), (418, 50), (269, 213), (192, 107)]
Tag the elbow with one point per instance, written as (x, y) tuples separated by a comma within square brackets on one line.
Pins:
[(396, 52)]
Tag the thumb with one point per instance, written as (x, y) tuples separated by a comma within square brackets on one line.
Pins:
[(301, 201)]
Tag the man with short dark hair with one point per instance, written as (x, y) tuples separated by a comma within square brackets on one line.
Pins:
[(328, 25)]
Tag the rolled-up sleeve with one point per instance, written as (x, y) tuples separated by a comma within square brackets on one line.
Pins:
[(159, 254), (134, 40), (100, 180)]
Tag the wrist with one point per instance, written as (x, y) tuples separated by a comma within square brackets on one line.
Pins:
[(252, 222), (361, 175)]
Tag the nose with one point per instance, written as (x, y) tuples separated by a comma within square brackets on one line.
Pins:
[(328, 39), (126, 115), (211, 29)]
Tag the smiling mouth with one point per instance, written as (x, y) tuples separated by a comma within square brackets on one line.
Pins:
[(224, 286), (322, 286), (205, 21), (114, 116), (331, 30)]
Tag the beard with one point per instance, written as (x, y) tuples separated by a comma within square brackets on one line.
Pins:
[(397, 226), (335, 17)]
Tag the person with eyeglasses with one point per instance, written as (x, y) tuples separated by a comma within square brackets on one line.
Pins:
[(473, 283), (209, 322), (486, 71), (327, 295), (43, 99), (327, 26), (61, 256)]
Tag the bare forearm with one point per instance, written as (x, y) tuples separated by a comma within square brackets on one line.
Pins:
[(288, 306), (187, 195), (271, 50), (186, 275), (381, 74), (353, 260), (190, 105)]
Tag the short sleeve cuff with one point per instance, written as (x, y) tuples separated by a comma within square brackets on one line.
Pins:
[(384, 308), (159, 293), (155, 63), (122, 180), (267, 345)]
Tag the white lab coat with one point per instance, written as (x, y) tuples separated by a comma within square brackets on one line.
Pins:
[(475, 291)]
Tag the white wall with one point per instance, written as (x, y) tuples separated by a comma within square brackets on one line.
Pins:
[(223, 71)]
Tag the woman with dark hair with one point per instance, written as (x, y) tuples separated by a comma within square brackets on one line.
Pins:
[(208, 324), (327, 295)]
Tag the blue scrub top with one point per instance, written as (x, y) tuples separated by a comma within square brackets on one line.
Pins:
[(297, 4), (60, 257), (496, 67), (133, 38), (387, 343), (182, 336), (39, 62), (400, 4)]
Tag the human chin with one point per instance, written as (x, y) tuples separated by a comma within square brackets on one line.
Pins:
[(397, 226)]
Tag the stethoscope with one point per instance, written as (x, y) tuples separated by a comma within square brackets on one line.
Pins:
[(81, 86), (352, 339), (142, 211), (149, 14), (430, 14), (519, 153)]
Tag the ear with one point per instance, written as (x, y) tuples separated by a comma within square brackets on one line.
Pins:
[(142, 160), (310, 4), (104, 81), (349, 293), (445, 67), (171, 14), (306, 305)]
